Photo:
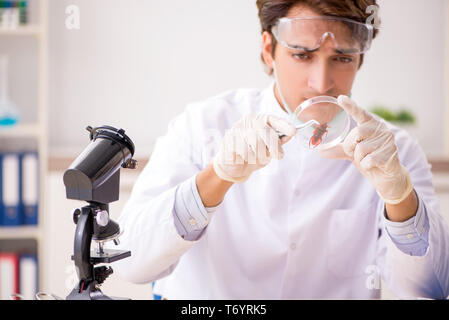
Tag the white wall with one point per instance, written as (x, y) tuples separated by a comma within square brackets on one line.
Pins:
[(405, 66), (136, 63)]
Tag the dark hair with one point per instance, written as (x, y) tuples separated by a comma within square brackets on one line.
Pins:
[(272, 10)]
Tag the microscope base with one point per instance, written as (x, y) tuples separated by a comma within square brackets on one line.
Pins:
[(91, 293)]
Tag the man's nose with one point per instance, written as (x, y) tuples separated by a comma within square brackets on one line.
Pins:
[(320, 78)]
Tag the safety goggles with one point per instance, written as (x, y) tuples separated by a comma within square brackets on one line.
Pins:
[(308, 33)]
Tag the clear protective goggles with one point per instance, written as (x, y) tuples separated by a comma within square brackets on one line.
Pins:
[(308, 33)]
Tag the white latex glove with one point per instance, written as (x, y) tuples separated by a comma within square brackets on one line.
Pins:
[(371, 148), (250, 145)]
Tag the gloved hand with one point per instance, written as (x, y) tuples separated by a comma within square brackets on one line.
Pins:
[(250, 145), (371, 148)]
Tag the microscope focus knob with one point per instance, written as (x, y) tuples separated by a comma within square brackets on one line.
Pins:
[(75, 215), (102, 218)]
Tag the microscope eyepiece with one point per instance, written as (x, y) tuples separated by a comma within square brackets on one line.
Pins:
[(108, 132), (94, 175)]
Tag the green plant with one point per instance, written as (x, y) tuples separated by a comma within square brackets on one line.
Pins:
[(384, 113), (403, 116)]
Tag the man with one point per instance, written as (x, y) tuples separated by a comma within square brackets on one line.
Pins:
[(224, 211)]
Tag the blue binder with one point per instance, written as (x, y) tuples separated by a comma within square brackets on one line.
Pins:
[(11, 186), (30, 187), (28, 275), (1, 189)]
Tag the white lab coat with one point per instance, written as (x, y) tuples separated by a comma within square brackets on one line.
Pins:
[(302, 227)]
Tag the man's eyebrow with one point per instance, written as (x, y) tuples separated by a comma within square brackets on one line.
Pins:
[(347, 51)]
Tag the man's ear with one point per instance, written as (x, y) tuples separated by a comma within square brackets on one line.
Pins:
[(266, 49)]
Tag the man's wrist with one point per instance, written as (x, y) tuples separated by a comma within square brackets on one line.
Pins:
[(410, 236), (211, 187), (404, 210)]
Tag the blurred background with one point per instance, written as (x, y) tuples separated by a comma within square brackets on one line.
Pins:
[(135, 65)]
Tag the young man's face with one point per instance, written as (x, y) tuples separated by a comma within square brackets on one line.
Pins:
[(303, 75)]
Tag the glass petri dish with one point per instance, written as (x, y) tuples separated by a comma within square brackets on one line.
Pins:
[(321, 123)]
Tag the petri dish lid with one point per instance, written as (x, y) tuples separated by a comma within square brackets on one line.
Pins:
[(321, 123)]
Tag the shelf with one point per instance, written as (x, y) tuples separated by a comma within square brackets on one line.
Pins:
[(30, 30), (440, 165), (31, 136), (19, 232), (21, 130)]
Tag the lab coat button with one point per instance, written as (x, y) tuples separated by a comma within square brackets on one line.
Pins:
[(293, 246), (410, 236), (192, 222)]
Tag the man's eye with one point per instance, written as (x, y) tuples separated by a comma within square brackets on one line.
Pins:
[(344, 59), (301, 56)]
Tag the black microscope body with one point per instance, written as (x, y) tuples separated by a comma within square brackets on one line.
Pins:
[(94, 177)]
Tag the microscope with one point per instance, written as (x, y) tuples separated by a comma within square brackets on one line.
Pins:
[(94, 177)]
